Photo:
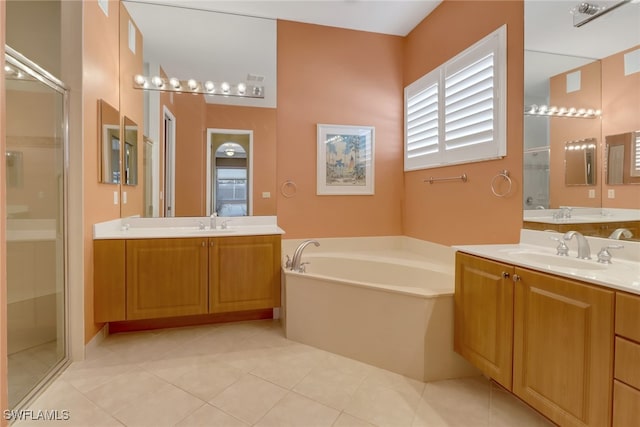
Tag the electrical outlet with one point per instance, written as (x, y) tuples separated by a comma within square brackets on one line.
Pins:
[(266, 195), (611, 193)]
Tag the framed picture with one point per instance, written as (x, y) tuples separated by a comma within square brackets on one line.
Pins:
[(345, 160)]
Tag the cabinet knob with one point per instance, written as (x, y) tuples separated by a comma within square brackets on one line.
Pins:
[(505, 274), (516, 278)]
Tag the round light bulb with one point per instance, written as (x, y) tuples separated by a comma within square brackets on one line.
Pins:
[(209, 86), (225, 87), (572, 111), (562, 110), (533, 109), (242, 88), (175, 83), (582, 111), (139, 79), (553, 109), (157, 81), (543, 109), (193, 85)]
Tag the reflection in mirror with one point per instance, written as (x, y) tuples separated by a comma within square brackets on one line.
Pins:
[(181, 178), (109, 137), (130, 160), (623, 158), (229, 177), (580, 162)]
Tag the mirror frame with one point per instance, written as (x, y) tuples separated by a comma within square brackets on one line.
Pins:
[(130, 156), (108, 127)]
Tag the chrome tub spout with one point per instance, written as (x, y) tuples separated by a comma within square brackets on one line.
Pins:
[(297, 255)]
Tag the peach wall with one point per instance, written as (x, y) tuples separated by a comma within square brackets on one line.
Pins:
[(100, 81), (190, 155), (621, 114), (564, 129), (336, 76), (262, 121), (4, 404), (455, 212), (131, 106)]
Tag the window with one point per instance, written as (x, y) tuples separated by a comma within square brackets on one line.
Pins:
[(635, 154), (231, 191), (456, 113)]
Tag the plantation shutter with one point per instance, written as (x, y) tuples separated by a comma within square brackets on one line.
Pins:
[(457, 112), (635, 160), (422, 121)]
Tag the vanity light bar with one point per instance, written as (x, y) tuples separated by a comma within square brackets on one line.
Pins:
[(579, 145), (193, 86), (578, 113)]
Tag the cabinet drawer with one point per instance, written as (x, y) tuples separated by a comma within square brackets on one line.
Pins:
[(626, 405), (628, 316), (627, 362)]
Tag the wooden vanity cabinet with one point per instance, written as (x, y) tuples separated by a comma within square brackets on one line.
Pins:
[(483, 321), (166, 277), (626, 385), (562, 337), (155, 278)]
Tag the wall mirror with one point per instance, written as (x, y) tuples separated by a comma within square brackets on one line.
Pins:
[(580, 162), (623, 158), (199, 47), (109, 137), (553, 47), (130, 154)]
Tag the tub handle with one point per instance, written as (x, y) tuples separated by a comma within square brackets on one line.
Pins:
[(302, 268), (287, 263)]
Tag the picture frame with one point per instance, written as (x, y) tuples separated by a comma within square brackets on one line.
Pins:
[(345, 160)]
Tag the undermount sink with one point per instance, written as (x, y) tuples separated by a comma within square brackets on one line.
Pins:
[(558, 261)]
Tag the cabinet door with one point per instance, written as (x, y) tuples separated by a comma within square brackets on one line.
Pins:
[(484, 315), (244, 273), (563, 348), (166, 278), (109, 286)]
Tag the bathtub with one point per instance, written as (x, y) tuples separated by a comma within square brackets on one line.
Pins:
[(384, 301)]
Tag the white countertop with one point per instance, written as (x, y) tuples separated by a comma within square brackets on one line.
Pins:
[(582, 215), (537, 251), (185, 227)]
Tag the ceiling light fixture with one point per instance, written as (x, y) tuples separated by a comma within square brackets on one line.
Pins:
[(576, 113), (194, 86), (586, 12)]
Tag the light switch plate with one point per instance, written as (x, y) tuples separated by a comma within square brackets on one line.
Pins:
[(266, 195), (115, 197), (611, 193), (592, 194), (124, 197)]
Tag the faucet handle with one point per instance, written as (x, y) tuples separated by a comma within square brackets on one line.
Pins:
[(287, 263), (604, 257), (302, 268), (562, 249)]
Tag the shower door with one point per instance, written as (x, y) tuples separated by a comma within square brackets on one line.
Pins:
[(36, 139)]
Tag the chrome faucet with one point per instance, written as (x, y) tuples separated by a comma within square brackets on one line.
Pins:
[(621, 232), (297, 255), (212, 221), (584, 251)]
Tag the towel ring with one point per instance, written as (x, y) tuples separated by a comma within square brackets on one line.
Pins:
[(505, 176), (288, 189)]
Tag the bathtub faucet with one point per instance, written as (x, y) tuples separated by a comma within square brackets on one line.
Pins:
[(297, 255)]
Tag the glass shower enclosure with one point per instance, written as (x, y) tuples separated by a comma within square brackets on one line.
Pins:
[(35, 159)]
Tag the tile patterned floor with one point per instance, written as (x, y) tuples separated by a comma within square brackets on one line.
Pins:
[(248, 374)]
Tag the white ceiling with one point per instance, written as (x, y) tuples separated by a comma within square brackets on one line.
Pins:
[(553, 45), (204, 44)]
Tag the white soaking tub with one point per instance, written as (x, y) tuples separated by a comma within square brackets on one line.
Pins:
[(386, 301)]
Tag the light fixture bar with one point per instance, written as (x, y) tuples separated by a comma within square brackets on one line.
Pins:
[(208, 87), (552, 111), (586, 12)]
